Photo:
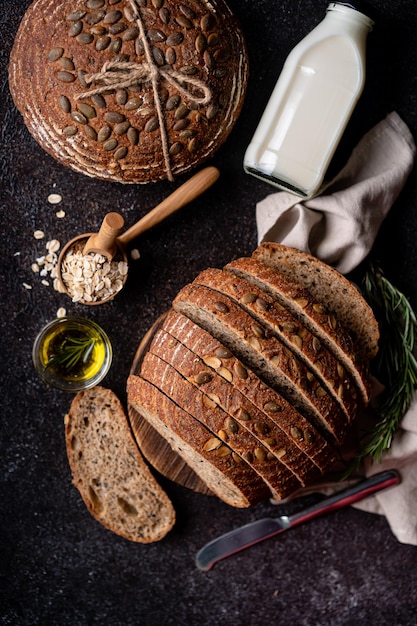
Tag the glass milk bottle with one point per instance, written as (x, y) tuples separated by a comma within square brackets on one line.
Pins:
[(312, 102)]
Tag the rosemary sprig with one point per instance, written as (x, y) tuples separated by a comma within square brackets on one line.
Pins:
[(395, 365), (73, 350)]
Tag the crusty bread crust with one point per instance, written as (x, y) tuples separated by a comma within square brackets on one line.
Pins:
[(280, 480), (291, 332), (235, 483), (313, 314), (109, 471), (164, 123), (268, 357), (266, 400), (241, 414), (330, 288)]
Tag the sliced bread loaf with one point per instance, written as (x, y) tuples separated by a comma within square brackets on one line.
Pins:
[(330, 288), (230, 478), (288, 329), (268, 357), (241, 414), (310, 311), (280, 480), (271, 405), (109, 471)]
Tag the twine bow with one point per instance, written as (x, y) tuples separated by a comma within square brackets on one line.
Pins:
[(123, 74)]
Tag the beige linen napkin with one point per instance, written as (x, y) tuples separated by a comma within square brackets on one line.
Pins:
[(339, 227)]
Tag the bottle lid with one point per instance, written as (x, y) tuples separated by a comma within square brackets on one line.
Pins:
[(361, 6)]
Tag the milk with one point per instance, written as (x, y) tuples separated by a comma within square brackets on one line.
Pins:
[(316, 93)]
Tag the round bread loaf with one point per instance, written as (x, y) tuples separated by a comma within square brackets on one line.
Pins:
[(129, 90)]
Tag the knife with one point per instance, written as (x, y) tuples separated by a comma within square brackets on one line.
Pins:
[(254, 532)]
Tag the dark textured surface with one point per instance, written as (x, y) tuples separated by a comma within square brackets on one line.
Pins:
[(58, 565)]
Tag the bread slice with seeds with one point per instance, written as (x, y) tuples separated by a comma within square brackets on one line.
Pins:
[(240, 414), (268, 357), (109, 471), (310, 311), (280, 480), (271, 405), (230, 478), (291, 332), (330, 288)]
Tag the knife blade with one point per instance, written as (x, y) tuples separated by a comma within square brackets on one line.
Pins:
[(245, 536)]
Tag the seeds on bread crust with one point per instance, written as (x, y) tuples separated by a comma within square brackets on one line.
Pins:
[(267, 357), (241, 413), (105, 54), (264, 398)]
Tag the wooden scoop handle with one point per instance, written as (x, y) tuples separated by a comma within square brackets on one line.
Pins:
[(187, 192), (105, 241)]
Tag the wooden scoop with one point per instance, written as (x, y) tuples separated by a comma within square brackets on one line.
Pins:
[(108, 242)]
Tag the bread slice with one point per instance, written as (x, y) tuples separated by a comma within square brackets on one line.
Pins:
[(240, 414), (269, 358), (291, 332), (109, 471), (328, 287), (232, 480), (280, 480), (272, 407), (311, 312)]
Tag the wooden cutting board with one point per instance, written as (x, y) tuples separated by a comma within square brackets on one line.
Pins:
[(155, 448)]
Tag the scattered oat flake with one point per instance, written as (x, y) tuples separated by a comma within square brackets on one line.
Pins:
[(61, 312), (26, 286), (45, 282), (60, 214), (39, 234), (135, 254), (54, 198)]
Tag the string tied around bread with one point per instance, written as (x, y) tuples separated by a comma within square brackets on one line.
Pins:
[(124, 74)]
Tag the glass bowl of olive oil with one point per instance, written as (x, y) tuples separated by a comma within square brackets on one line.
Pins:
[(72, 353)]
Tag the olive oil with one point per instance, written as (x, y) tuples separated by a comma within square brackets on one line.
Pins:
[(72, 353)]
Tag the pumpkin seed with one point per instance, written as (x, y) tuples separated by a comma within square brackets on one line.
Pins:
[(176, 148), (175, 39), (85, 38), (90, 132), (212, 361), (110, 145), (193, 145), (158, 56), (164, 15), (121, 96), (296, 433), (181, 125), (243, 415), (187, 11), (116, 45), (170, 56), (116, 29), (81, 77), (130, 34), (94, 4), (103, 42), (99, 100), (156, 35), (65, 104), (172, 102), (272, 407), (87, 110), (66, 64), (133, 136), (200, 43), (79, 117), (203, 377), (114, 117), (240, 370), (213, 39), (104, 133), (76, 15), (151, 125), (188, 70), (206, 22), (70, 131), (133, 104), (181, 112), (95, 18), (55, 54), (221, 307), (122, 127), (112, 17), (75, 29), (65, 77), (120, 153)]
